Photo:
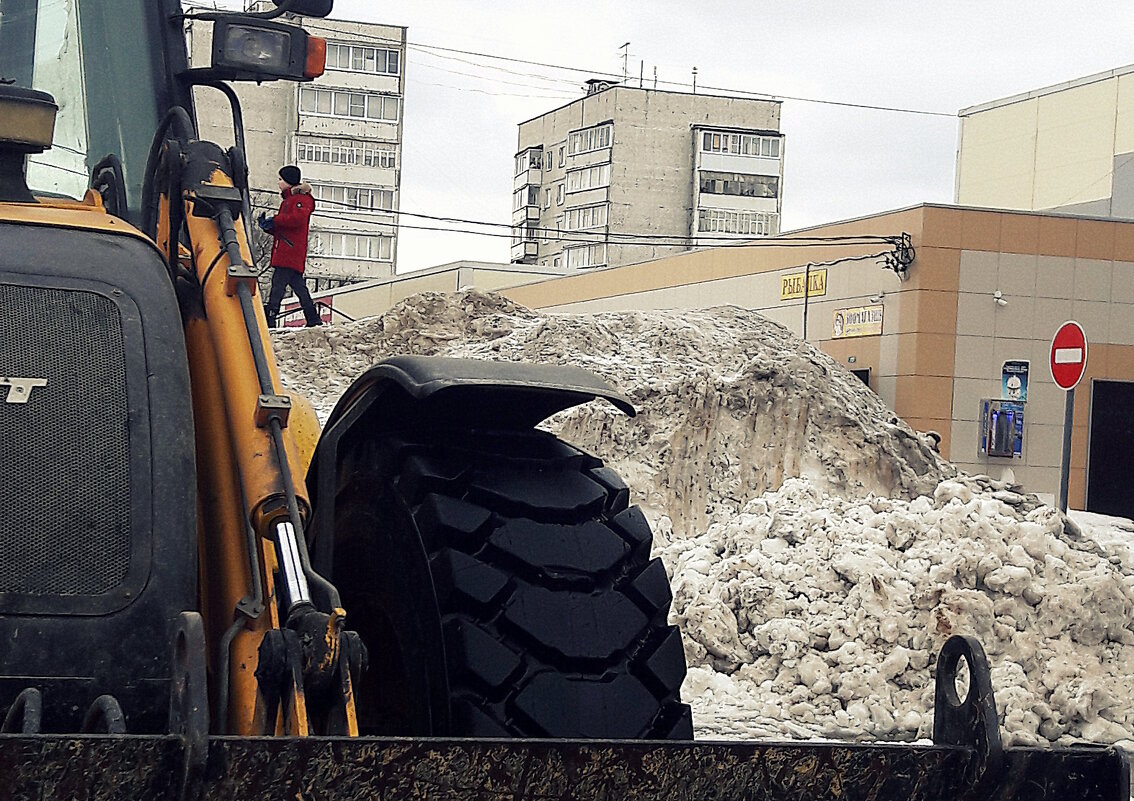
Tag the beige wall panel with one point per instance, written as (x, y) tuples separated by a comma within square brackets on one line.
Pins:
[(1121, 325), (887, 388), (364, 302), (1055, 277), (1094, 316), (491, 280), (974, 314), (1122, 282), (980, 230), (1057, 236), (1094, 239), (924, 396), (1046, 402), (1075, 144), (967, 394), (963, 445), (935, 268), (941, 227), (1044, 443), (1124, 126), (997, 157), (1049, 314), (1019, 233), (975, 357), (978, 271), (1016, 274), (442, 282), (888, 357), (1092, 279), (1014, 321)]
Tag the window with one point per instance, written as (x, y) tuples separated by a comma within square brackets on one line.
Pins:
[(365, 247), (353, 58), (585, 217), (557, 262), (744, 223), (530, 159), (741, 144), (588, 178), (547, 198), (588, 139), (728, 183), (559, 195), (344, 151), (548, 160), (586, 256), (525, 196), (354, 198), (562, 155), (348, 104)]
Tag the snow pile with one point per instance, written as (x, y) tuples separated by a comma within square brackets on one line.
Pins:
[(813, 615), (821, 552), (730, 404)]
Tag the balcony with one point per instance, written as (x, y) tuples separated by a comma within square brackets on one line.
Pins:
[(534, 176), (525, 252)]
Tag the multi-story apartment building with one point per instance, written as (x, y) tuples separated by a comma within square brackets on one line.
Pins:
[(1066, 148), (626, 174), (343, 130)]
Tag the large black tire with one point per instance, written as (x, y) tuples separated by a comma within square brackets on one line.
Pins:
[(504, 588)]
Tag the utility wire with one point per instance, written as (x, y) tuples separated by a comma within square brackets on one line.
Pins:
[(618, 77), (349, 207), (584, 237)]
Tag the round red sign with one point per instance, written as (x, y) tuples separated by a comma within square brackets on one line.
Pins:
[(1068, 355)]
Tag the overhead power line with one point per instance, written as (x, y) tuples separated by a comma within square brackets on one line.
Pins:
[(423, 46), (360, 215)]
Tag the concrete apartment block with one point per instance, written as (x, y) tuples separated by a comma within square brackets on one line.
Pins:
[(627, 174)]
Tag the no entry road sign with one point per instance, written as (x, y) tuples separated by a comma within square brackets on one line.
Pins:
[(1068, 355)]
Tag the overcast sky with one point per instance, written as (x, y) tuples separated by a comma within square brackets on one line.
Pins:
[(461, 118)]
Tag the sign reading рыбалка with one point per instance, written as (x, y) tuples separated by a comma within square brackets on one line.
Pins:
[(857, 321), (792, 285)]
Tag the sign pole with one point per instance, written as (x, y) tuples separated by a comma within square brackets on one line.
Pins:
[(1065, 464), (806, 295), (1068, 362)]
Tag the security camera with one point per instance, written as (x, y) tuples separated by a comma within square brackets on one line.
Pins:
[(877, 298), (998, 296)]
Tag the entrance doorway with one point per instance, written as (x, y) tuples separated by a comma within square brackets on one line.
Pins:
[(1110, 458)]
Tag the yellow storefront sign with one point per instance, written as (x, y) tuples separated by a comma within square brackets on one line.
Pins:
[(791, 286), (857, 321)]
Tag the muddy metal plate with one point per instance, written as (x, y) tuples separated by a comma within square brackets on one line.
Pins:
[(338, 769)]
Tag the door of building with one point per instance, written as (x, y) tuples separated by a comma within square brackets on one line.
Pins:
[(1110, 460)]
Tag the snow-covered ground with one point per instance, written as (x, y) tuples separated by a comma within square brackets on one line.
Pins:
[(821, 551)]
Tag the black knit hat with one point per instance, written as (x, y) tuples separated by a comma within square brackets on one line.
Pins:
[(290, 174)]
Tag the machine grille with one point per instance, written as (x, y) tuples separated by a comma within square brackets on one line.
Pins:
[(65, 500)]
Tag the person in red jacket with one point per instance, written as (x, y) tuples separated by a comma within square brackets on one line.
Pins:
[(289, 245)]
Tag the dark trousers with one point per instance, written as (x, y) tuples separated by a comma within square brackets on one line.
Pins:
[(282, 278)]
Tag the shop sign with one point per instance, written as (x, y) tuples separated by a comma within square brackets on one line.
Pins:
[(857, 321), (791, 286)]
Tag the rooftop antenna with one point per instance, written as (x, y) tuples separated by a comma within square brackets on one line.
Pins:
[(655, 76), (625, 57), (694, 80), (641, 72)]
